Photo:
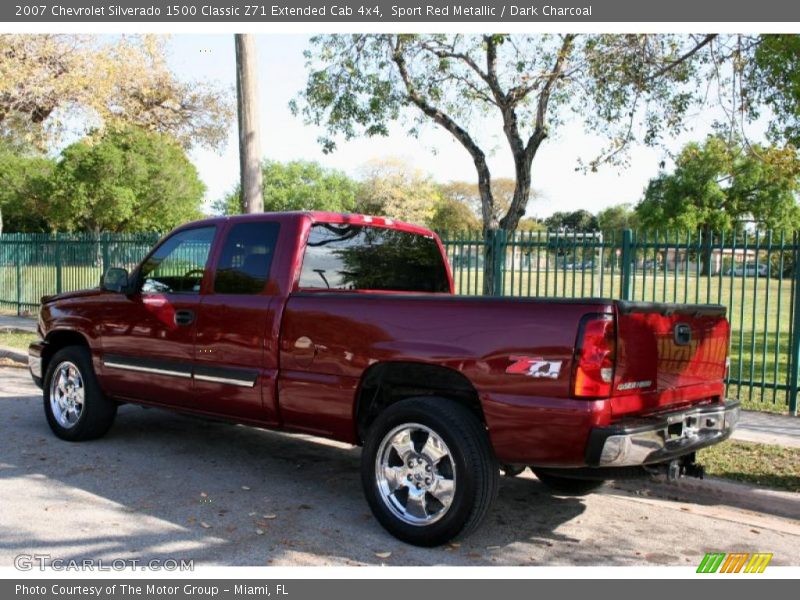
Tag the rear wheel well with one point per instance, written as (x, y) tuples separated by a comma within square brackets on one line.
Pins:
[(58, 340), (386, 383)]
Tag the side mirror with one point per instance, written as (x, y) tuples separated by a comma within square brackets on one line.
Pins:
[(115, 280)]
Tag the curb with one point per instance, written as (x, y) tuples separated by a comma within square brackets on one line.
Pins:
[(14, 354), (715, 491)]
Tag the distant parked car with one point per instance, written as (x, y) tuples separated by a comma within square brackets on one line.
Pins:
[(749, 270)]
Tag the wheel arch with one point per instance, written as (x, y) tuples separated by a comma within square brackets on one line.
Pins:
[(386, 383), (58, 339)]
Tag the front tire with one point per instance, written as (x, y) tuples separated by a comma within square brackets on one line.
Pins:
[(428, 470), (75, 406)]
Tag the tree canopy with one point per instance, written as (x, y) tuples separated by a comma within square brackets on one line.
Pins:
[(52, 83), (393, 188), (298, 185), (578, 220), (123, 179), (718, 185)]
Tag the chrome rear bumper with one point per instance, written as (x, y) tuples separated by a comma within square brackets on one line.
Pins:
[(660, 438)]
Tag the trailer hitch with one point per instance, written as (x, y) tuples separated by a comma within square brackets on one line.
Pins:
[(685, 466)]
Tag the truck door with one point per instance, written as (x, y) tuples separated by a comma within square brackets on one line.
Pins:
[(236, 359), (147, 337)]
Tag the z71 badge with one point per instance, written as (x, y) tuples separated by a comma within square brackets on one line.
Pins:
[(534, 366)]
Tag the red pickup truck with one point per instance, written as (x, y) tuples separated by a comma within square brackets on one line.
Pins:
[(347, 327)]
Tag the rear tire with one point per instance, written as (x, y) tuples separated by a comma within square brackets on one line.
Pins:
[(428, 470), (75, 406), (568, 486)]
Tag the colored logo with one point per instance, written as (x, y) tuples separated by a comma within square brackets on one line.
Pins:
[(736, 562), (534, 366)]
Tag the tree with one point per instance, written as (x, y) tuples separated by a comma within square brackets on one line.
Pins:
[(25, 193), (774, 79), (470, 194), (52, 83), (616, 218), (392, 188), (124, 179), (298, 185), (626, 87), (719, 186), (450, 215), (578, 220)]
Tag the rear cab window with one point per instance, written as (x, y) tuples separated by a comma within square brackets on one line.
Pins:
[(246, 258), (364, 257)]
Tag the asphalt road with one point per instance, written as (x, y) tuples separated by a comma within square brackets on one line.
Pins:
[(160, 485)]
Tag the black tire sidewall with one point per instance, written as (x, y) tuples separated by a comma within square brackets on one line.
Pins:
[(466, 485), (97, 409)]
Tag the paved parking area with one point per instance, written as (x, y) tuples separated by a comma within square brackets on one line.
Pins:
[(162, 485)]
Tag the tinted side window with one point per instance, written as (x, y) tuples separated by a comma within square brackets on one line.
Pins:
[(356, 257), (177, 265), (246, 258)]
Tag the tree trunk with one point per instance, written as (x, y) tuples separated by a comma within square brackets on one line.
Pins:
[(522, 189), (249, 132)]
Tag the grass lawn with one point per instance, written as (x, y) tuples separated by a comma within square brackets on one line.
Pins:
[(16, 340), (760, 464)]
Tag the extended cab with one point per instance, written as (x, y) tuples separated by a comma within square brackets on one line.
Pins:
[(346, 326)]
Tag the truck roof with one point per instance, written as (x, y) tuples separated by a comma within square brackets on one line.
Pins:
[(318, 216)]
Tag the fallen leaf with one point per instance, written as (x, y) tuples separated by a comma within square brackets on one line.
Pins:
[(270, 516), (383, 554), (205, 525)]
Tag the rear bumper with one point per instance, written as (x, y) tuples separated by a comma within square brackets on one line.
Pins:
[(650, 440), (35, 351)]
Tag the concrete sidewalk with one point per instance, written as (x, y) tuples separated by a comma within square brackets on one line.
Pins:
[(20, 323), (768, 428)]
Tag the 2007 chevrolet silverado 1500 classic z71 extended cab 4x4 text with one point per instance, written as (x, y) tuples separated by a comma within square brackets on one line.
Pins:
[(346, 326)]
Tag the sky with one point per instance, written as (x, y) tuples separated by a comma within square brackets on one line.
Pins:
[(285, 137)]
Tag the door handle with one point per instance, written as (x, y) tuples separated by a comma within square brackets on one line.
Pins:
[(184, 317)]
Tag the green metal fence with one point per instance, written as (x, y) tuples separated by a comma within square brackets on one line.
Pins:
[(754, 275), (35, 265)]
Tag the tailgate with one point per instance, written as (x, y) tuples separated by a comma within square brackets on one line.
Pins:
[(668, 355)]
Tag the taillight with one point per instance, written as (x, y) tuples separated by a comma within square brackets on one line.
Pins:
[(593, 374)]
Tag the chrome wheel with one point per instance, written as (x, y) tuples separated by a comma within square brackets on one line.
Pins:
[(67, 394), (416, 474)]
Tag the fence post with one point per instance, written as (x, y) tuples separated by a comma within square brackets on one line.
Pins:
[(106, 258), (794, 357), (58, 265), (19, 276), (499, 258), (625, 270)]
